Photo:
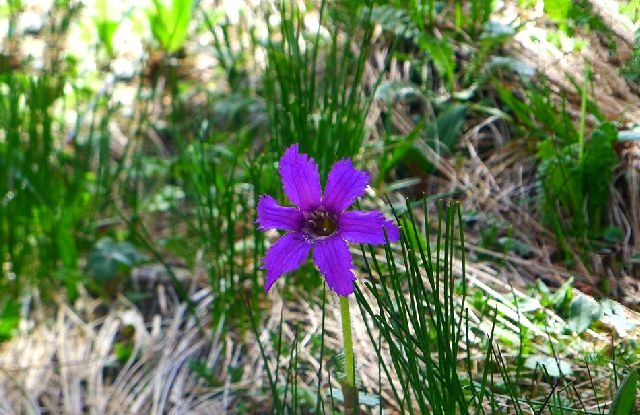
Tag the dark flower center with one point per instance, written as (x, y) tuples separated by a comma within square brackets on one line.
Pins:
[(320, 223)]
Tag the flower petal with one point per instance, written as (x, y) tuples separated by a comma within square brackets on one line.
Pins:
[(333, 259), (344, 185), (367, 227), (273, 216), (300, 178), (286, 255)]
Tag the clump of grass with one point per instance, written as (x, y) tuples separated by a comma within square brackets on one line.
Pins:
[(312, 82), (53, 185)]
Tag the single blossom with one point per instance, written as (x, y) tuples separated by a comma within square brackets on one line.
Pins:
[(320, 222)]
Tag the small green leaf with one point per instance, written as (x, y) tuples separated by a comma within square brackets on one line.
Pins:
[(554, 367), (557, 10), (625, 399), (613, 234), (516, 65), (368, 399), (397, 91), (9, 318), (106, 23), (166, 198), (583, 312), (527, 304), (123, 351), (562, 296), (206, 373), (515, 245), (447, 125), (363, 398), (546, 150), (110, 258)]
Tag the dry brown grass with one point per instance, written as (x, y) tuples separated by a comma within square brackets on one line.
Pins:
[(67, 363)]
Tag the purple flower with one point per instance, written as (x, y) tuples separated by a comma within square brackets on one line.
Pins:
[(320, 223)]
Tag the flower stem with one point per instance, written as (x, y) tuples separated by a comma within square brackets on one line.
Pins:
[(349, 389)]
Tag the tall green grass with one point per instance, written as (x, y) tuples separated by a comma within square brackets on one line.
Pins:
[(312, 82), (52, 184), (421, 318), (414, 304)]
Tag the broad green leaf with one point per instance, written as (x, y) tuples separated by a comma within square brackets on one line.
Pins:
[(170, 23), (625, 399), (523, 69), (402, 149), (629, 135), (106, 29), (368, 399), (498, 29), (106, 22)]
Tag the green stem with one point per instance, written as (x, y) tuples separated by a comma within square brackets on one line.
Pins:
[(583, 111), (349, 389)]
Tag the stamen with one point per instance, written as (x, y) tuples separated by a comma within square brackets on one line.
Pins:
[(320, 224)]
